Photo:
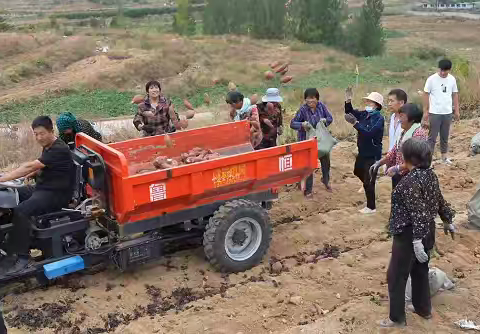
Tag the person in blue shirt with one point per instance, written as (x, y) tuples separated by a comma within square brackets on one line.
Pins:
[(369, 124), (308, 116)]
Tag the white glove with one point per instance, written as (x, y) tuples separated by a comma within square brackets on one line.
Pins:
[(392, 171), (419, 250), (306, 126)]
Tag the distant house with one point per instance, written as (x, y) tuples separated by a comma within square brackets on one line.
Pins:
[(443, 5)]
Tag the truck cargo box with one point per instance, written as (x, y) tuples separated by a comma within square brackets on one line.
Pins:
[(136, 192)]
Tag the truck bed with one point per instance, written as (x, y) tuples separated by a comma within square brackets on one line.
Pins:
[(239, 171)]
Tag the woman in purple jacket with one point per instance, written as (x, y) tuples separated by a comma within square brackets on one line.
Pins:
[(312, 112)]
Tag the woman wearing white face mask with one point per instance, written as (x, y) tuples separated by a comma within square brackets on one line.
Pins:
[(369, 125)]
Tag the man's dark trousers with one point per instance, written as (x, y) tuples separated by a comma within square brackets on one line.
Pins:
[(33, 203)]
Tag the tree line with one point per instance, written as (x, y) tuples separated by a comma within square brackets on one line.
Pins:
[(311, 21)]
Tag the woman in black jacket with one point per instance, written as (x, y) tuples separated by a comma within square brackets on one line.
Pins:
[(416, 201), (369, 124)]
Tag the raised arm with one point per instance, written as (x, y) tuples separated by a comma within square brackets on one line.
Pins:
[(350, 110)]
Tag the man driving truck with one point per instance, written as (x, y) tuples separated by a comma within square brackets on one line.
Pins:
[(55, 177)]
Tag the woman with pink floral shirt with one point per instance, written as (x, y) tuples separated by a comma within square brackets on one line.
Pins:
[(410, 118)]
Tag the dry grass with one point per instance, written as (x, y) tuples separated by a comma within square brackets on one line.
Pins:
[(55, 58), (172, 59), (16, 43), (468, 80), (17, 145)]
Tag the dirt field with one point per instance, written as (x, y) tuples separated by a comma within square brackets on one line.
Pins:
[(332, 278)]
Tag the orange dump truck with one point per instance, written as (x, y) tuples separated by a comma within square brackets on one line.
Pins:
[(128, 212)]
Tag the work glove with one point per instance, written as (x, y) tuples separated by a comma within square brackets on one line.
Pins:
[(349, 94), (447, 227), (419, 250), (307, 126), (374, 170), (392, 171), (323, 120), (350, 118)]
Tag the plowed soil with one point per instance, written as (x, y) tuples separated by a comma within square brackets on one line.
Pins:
[(325, 272)]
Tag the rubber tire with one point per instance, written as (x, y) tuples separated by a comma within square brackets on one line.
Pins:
[(223, 218)]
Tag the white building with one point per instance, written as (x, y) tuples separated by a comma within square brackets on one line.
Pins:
[(440, 5)]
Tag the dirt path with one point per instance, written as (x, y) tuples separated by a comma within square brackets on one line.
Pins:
[(345, 292)]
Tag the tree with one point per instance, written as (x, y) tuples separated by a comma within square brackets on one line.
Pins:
[(226, 17), (4, 26), (318, 21), (215, 17), (120, 8), (268, 18), (183, 21), (366, 34)]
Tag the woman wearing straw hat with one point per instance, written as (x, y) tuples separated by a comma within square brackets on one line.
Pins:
[(271, 119), (369, 124)]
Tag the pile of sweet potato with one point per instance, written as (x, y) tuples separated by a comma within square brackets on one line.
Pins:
[(196, 154)]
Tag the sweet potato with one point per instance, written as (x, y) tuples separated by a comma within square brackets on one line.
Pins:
[(274, 64), (183, 123), (168, 141), (187, 104), (137, 99), (281, 68), (190, 114), (269, 75), (159, 161), (287, 78)]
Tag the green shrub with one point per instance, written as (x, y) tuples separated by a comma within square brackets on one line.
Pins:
[(389, 33), (312, 25), (183, 21), (365, 35), (428, 53), (268, 19)]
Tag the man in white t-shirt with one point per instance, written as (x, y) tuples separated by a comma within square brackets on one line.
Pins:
[(440, 100)]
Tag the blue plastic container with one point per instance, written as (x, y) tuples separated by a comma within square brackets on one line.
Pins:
[(63, 267)]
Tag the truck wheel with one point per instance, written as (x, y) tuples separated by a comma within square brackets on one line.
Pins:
[(237, 236)]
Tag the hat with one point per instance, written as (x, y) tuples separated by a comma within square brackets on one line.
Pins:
[(65, 121), (272, 95), (375, 97)]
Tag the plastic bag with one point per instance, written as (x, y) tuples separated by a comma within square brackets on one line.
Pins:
[(325, 141), (437, 280), (475, 144), (473, 208)]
